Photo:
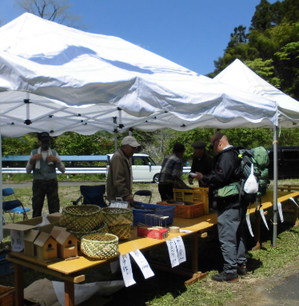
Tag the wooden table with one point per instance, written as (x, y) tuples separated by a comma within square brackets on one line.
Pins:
[(71, 271)]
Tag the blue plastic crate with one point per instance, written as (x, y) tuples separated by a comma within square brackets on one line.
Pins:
[(141, 215)]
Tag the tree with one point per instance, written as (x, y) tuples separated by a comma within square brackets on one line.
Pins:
[(53, 10)]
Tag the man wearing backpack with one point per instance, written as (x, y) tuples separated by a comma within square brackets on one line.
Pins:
[(231, 213)]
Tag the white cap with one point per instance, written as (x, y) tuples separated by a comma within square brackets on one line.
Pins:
[(131, 141)]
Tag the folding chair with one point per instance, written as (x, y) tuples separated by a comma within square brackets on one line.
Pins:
[(92, 195), (143, 193), (14, 206)]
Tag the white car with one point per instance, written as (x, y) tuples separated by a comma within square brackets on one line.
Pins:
[(143, 167)]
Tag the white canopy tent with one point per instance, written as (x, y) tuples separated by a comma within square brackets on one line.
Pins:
[(241, 77), (57, 79)]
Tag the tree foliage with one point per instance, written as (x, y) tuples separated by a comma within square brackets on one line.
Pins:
[(270, 47)]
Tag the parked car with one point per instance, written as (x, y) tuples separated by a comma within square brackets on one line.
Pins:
[(143, 167), (287, 162)]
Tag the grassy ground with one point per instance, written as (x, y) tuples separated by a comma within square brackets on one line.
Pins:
[(168, 289)]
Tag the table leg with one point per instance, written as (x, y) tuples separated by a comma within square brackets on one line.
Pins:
[(19, 285), (257, 233), (194, 253), (69, 293)]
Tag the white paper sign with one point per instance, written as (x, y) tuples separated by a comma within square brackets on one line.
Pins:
[(173, 254), (17, 240), (122, 204), (279, 206), (180, 248), (264, 218), (126, 270), (294, 201), (249, 224), (143, 264)]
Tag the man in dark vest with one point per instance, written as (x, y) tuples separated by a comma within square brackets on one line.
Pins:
[(43, 162), (202, 162)]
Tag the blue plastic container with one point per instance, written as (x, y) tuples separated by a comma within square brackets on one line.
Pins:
[(142, 215)]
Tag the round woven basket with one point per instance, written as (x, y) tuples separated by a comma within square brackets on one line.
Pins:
[(81, 218), (100, 246), (121, 231), (117, 216), (101, 230)]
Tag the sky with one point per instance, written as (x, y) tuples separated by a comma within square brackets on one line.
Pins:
[(191, 33)]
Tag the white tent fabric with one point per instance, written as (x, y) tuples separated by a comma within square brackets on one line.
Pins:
[(240, 76), (83, 82)]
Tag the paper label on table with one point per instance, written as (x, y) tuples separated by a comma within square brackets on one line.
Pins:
[(119, 204), (294, 201), (142, 263), (264, 218), (173, 253), (180, 248), (185, 231), (279, 206), (126, 270), (17, 240), (249, 224)]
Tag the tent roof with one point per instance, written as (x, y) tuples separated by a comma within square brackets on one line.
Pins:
[(83, 82), (242, 77)]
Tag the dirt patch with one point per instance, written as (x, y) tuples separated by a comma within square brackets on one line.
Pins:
[(257, 291)]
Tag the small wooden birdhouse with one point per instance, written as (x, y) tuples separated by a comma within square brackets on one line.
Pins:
[(29, 238), (46, 247), (67, 243)]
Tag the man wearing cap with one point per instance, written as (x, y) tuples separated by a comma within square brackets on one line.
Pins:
[(202, 162), (120, 179), (172, 170), (43, 162)]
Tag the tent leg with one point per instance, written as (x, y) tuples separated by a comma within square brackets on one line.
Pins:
[(275, 186)]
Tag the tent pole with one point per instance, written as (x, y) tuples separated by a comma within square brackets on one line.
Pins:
[(275, 186)]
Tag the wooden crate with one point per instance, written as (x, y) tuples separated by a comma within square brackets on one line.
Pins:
[(198, 194), (187, 211), (7, 295)]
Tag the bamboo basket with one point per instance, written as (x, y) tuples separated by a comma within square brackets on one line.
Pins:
[(81, 218), (121, 231), (100, 246), (101, 230), (117, 216)]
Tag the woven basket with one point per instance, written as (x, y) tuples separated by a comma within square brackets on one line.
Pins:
[(101, 230), (121, 231), (100, 246), (117, 216), (82, 218)]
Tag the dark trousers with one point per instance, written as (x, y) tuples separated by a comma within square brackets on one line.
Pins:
[(230, 224), (166, 191), (40, 189)]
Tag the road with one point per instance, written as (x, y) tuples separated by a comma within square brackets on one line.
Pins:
[(63, 183)]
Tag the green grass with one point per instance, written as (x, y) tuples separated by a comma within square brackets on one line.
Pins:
[(169, 289)]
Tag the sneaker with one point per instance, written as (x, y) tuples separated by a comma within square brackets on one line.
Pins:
[(242, 269), (225, 277)]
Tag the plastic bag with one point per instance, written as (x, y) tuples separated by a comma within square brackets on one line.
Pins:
[(251, 185)]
